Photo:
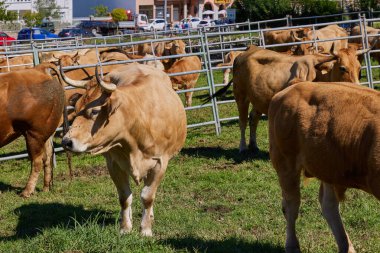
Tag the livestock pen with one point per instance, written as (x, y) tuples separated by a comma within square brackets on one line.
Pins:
[(213, 199)]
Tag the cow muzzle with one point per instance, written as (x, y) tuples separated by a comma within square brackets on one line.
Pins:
[(73, 145)]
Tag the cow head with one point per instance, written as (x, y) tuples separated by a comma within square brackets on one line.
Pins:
[(346, 66), (305, 48), (178, 47), (67, 60), (91, 130)]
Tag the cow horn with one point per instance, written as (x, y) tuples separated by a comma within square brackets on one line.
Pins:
[(295, 36), (108, 87), (69, 81), (362, 51)]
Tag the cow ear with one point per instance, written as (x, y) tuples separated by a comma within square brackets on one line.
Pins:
[(74, 98), (321, 49), (325, 67), (305, 72), (113, 103)]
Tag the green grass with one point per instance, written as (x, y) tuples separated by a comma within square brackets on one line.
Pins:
[(212, 199)]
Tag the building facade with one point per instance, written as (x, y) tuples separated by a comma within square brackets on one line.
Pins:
[(176, 9), (23, 6)]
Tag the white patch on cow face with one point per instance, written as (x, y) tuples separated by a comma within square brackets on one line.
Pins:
[(78, 146)]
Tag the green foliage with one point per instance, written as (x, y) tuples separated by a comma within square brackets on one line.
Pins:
[(47, 8), (262, 9), (33, 18), (363, 5), (316, 7), (100, 10), (11, 16), (6, 15), (119, 14)]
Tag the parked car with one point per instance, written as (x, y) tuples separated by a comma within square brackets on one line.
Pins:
[(75, 32), (157, 24), (5, 39), (191, 23), (37, 34), (207, 23), (47, 25)]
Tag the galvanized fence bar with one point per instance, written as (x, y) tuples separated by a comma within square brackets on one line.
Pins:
[(208, 52)]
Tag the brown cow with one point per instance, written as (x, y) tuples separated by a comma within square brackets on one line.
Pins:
[(328, 32), (186, 81), (330, 131), (258, 74), (229, 59), (24, 62), (32, 103), (123, 120), (284, 36), (374, 42)]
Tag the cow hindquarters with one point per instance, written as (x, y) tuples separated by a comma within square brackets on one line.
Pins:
[(148, 194), (120, 178), (330, 210)]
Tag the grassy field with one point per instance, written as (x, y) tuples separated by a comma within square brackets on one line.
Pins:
[(212, 199)]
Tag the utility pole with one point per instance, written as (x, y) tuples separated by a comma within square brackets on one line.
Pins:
[(165, 12)]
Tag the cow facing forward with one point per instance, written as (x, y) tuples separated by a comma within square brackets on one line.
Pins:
[(31, 103), (138, 123), (330, 131)]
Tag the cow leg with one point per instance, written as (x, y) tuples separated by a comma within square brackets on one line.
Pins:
[(289, 178), (36, 154), (189, 98), (48, 160), (330, 211), (148, 194), (254, 117), (243, 106), (121, 180), (226, 75)]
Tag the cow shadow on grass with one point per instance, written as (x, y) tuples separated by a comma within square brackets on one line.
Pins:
[(206, 96), (229, 154), (9, 188), (34, 218), (193, 244)]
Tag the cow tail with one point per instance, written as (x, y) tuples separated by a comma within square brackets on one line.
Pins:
[(218, 93), (66, 125)]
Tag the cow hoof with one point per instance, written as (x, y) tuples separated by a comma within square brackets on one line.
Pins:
[(25, 194), (124, 231), (46, 189), (147, 232), (253, 149)]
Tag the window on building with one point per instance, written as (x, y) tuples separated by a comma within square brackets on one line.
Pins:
[(147, 10)]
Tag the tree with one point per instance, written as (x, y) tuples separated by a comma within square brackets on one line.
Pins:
[(119, 14), (47, 8), (3, 10), (32, 18), (11, 16), (100, 11)]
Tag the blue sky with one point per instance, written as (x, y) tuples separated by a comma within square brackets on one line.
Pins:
[(83, 8)]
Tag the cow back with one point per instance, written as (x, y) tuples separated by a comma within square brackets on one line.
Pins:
[(331, 129)]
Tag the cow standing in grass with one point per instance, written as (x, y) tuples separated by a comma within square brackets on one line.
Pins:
[(136, 120), (330, 131), (258, 74), (32, 104)]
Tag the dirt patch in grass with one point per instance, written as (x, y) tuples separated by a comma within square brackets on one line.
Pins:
[(85, 172), (217, 209)]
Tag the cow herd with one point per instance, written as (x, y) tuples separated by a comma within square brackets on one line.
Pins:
[(321, 122)]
